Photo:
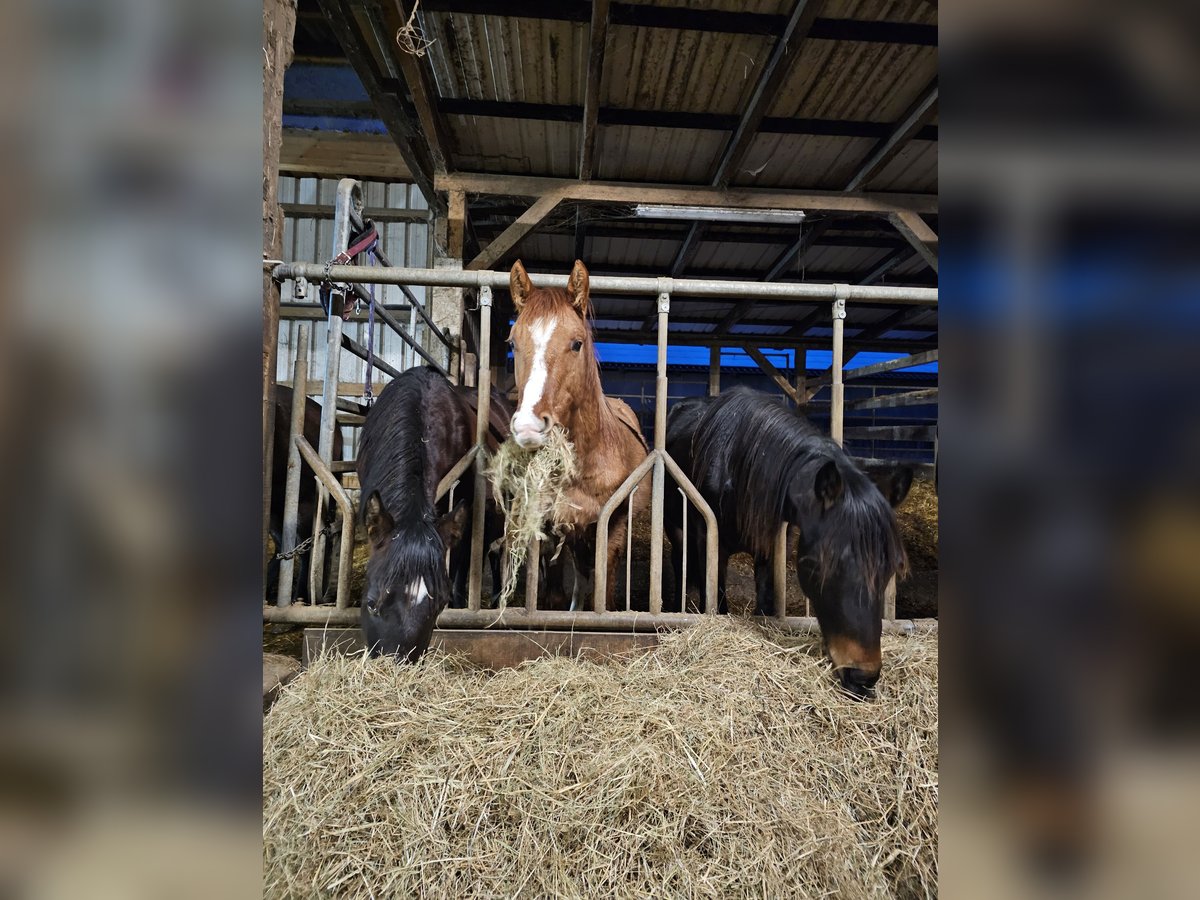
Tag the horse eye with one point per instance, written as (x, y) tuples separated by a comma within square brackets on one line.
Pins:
[(577, 346)]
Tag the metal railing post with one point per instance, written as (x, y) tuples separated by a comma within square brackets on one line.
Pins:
[(779, 571), (658, 495), (349, 200), (291, 491), (484, 387), (837, 388)]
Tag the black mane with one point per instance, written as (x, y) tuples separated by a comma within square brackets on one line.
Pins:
[(394, 462), (756, 446)]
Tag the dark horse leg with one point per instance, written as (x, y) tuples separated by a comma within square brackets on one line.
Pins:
[(617, 528), (764, 586)]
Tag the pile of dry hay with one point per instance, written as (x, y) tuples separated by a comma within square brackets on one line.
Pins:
[(724, 763), (530, 489)]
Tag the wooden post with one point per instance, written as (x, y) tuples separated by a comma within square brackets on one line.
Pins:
[(714, 371), (446, 304), (279, 26), (800, 376)]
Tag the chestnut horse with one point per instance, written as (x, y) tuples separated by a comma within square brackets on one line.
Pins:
[(558, 383)]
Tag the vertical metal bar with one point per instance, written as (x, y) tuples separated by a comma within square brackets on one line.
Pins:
[(801, 375), (533, 563), (779, 568), (483, 406), (683, 565), (349, 198), (291, 491), (837, 388), (629, 551), (714, 371), (657, 497), (412, 332)]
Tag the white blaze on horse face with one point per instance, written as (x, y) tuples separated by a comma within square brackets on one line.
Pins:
[(418, 592), (527, 428)]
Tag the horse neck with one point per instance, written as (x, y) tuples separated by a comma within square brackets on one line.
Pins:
[(590, 423)]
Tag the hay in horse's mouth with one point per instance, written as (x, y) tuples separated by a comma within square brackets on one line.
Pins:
[(530, 487)]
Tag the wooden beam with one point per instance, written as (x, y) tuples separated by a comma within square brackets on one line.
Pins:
[(404, 132), (335, 154), (885, 265), (889, 433), (906, 362), (795, 252), (688, 195), (418, 80), (778, 377), (640, 15), (512, 235), (917, 233), (381, 216), (687, 250), (884, 325), (469, 107), (808, 321), (885, 401), (770, 80), (913, 120), (456, 223), (591, 100)]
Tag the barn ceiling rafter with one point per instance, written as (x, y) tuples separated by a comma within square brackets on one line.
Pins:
[(555, 117)]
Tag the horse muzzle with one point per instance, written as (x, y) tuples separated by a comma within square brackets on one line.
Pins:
[(530, 431)]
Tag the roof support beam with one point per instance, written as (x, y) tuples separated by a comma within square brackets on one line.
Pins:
[(917, 233), (688, 195), (913, 120), (774, 73), (591, 99), (678, 17), (770, 79), (886, 324), (395, 117), (807, 322), (885, 265), (418, 80), (775, 375), (509, 238)]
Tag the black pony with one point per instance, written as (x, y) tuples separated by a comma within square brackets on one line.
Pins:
[(420, 426), (759, 465)]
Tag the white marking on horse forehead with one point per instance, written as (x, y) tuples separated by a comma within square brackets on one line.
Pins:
[(417, 591), (540, 331)]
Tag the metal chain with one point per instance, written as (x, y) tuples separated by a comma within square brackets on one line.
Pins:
[(305, 545)]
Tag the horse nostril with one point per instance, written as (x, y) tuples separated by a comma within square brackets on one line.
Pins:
[(858, 683), (545, 423)]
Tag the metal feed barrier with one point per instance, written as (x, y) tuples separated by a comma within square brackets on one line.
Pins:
[(657, 464)]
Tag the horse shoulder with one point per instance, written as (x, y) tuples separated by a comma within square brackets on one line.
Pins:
[(628, 418)]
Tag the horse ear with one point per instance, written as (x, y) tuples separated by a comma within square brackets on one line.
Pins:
[(577, 287), (893, 483), (453, 525), (519, 285), (379, 523), (828, 484)]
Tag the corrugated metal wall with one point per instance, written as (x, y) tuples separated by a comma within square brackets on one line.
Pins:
[(308, 237)]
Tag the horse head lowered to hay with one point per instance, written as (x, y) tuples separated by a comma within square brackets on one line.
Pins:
[(761, 465), (558, 388), (418, 429)]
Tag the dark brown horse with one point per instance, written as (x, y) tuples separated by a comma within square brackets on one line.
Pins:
[(420, 426), (308, 489), (558, 383), (760, 466)]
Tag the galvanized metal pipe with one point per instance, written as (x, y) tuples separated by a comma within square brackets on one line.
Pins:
[(617, 284), (349, 198), (483, 408), (349, 343), (291, 490), (452, 477), (711, 543), (838, 389), (555, 620), (682, 575), (409, 339), (600, 588), (326, 477), (658, 495)]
